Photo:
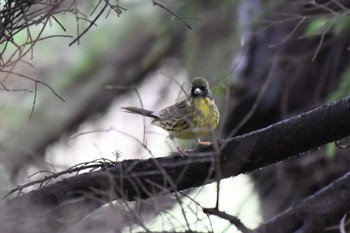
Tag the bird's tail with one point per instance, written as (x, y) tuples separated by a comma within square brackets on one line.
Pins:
[(140, 111)]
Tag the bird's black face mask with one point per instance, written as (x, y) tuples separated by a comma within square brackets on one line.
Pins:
[(201, 92)]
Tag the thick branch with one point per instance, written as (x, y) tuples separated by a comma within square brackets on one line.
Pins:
[(314, 213), (134, 179)]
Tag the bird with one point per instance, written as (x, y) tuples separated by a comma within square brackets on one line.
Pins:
[(193, 118)]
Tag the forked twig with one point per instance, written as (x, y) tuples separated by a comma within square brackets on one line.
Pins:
[(232, 219), (172, 13)]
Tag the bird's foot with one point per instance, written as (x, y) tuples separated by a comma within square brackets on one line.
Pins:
[(202, 143), (183, 152)]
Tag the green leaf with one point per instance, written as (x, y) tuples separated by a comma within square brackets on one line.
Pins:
[(331, 150), (317, 26)]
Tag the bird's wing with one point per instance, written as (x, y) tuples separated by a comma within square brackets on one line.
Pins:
[(174, 118), (174, 112)]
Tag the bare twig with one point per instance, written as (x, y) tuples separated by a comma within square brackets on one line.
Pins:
[(34, 100), (104, 163), (232, 219), (259, 97), (172, 13), (93, 22)]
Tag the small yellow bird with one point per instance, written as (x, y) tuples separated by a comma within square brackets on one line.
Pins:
[(189, 119)]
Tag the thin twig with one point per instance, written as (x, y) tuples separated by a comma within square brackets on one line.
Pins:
[(76, 168), (91, 24), (232, 219), (34, 100), (172, 13)]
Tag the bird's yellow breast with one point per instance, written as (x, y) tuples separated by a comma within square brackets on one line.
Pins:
[(208, 113)]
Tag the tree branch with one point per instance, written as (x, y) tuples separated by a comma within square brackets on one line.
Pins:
[(72, 198), (314, 213)]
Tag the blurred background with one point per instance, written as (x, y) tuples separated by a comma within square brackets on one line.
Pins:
[(265, 61)]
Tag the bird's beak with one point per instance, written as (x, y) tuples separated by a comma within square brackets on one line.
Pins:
[(197, 91)]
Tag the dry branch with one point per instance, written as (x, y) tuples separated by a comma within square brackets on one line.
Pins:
[(314, 213), (74, 197)]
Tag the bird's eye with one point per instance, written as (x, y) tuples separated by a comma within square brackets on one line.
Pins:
[(204, 88)]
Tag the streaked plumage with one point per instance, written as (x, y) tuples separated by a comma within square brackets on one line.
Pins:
[(192, 118)]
